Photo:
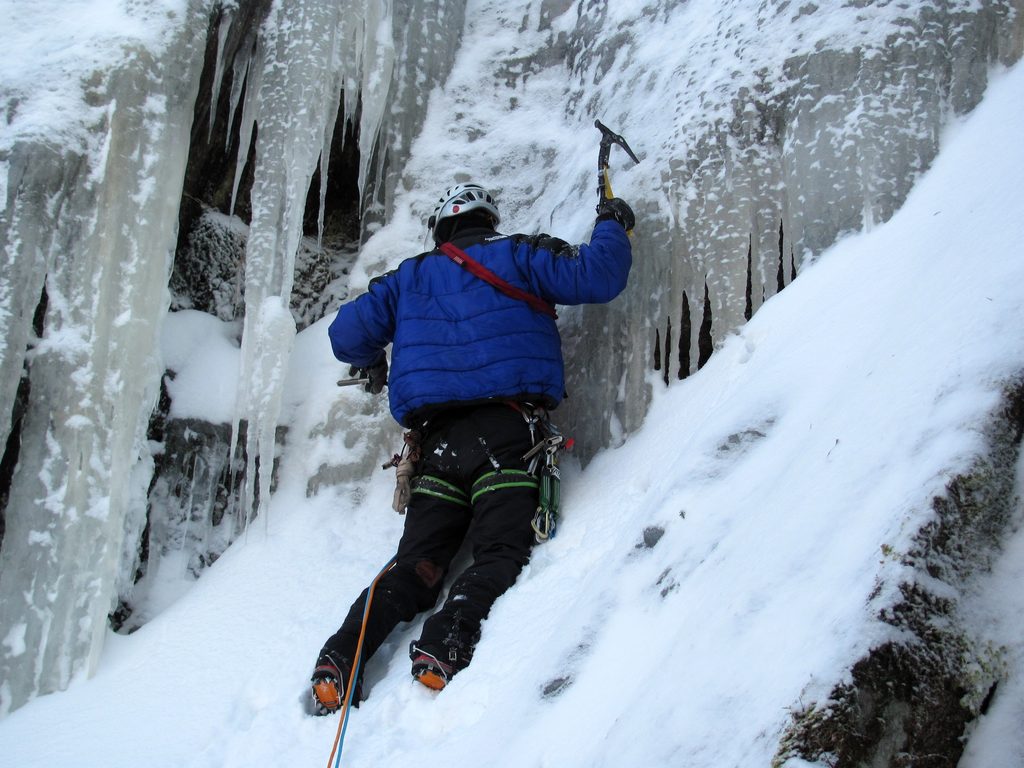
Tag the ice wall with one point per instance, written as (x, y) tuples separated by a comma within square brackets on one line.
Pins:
[(89, 226), (785, 129), (766, 131), (426, 40)]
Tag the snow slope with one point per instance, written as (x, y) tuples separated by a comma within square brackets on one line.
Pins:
[(815, 437)]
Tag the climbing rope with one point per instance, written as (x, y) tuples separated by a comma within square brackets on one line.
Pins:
[(339, 738)]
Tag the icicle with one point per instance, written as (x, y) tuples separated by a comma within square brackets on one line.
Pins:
[(376, 62), (239, 71), (228, 15), (275, 334), (292, 100), (254, 75), (331, 112)]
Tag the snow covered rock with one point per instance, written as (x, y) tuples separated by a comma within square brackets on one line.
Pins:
[(913, 697)]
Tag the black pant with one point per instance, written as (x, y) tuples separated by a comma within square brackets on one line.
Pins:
[(471, 478)]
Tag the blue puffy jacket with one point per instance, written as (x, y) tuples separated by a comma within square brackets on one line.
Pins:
[(457, 339)]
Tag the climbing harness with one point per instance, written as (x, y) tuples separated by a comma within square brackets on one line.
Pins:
[(339, 738), (501, 479), (542, 472), (543, 465)]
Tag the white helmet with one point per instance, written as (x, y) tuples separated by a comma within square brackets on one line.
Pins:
[(460, 199)]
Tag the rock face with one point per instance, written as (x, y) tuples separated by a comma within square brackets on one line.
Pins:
[(910, 700)]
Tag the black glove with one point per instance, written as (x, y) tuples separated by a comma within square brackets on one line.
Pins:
[(376, 375), (616, 209)]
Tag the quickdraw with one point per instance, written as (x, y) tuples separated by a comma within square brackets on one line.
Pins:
[(543, 464)]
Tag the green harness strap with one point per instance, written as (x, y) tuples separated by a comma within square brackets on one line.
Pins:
[(428, 485), (505, 478)]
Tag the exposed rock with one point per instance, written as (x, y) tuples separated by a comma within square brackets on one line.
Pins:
[(910, 701)]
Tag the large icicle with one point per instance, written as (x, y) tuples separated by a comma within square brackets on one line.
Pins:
[(98, 221), (302, 62), (375, 62), (224, 28)]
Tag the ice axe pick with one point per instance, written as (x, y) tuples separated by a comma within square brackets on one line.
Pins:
[(608, 137)]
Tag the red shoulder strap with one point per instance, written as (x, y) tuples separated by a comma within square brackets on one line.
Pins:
[(465, 261)]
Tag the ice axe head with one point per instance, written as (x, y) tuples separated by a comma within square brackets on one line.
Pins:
[(608, 137)]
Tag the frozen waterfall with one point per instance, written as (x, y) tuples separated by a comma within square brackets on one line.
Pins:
[(767, 130), (91, 213), (89, 226)]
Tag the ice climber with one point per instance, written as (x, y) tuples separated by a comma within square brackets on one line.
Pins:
[(473, 366)]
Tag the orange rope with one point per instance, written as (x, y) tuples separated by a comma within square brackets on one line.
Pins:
[(350, 690)]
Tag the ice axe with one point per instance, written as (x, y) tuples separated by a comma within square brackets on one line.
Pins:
[(608, 137)]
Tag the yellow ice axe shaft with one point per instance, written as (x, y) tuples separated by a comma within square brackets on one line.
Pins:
[(606, 184)]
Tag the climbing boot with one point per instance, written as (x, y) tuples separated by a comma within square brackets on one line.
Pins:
[(430, 671), (328, 684)]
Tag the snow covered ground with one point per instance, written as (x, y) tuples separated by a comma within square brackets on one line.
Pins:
[(814, 438)]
